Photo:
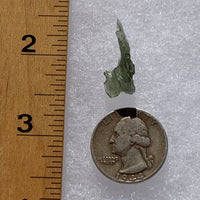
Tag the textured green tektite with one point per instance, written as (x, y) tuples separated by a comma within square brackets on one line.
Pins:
[(120, 79)]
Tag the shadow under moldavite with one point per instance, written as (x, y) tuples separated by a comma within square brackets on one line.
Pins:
[(120, 79)]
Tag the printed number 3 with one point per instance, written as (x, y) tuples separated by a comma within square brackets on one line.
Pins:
[(28, 122)]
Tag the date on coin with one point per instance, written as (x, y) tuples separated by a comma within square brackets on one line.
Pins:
[(129, 145)]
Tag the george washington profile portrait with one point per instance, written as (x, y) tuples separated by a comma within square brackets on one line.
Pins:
[(130, 141)]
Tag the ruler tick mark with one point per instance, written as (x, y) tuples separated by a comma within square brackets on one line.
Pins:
[(57, 141), (58, 130), (49, 199), (54, 167), (59, 65), (61, 90), (61, 70), (55, 193), (61, 60), (34, 54), (62, 41), (56, 105), (55, 74), (53, 115), (59, 25), (65, 50), (49, 95), (59, 6), (57, 85), (53, 15), (46, 156), (56, 161), (62, 30), (55, 125), (62, 20), (46, 177), (59, 100), (59, 45), (34, 135), (56, 35), (55, 146)]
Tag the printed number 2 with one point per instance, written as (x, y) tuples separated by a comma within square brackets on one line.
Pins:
[(26, 48), (28, 122)]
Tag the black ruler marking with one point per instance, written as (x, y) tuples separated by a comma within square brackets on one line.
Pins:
[(53, 15), (54, 84), (34, 135), (38, 94), (60, 6), (54, 161), (59, 25), (55, 145), (47, 156), (49, 198), (54, 167), (46, 177)]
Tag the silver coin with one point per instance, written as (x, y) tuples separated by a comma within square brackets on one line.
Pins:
[(129, 145)]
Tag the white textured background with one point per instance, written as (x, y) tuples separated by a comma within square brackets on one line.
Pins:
[(164, 39)]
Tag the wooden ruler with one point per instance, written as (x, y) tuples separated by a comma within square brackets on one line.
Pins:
[(33, 56)]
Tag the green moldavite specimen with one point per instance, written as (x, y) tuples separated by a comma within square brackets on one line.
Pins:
[(120, 79)]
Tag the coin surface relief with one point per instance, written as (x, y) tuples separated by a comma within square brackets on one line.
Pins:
[(129, 145)]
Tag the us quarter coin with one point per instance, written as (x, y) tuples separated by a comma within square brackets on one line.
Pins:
[(129, 145)]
